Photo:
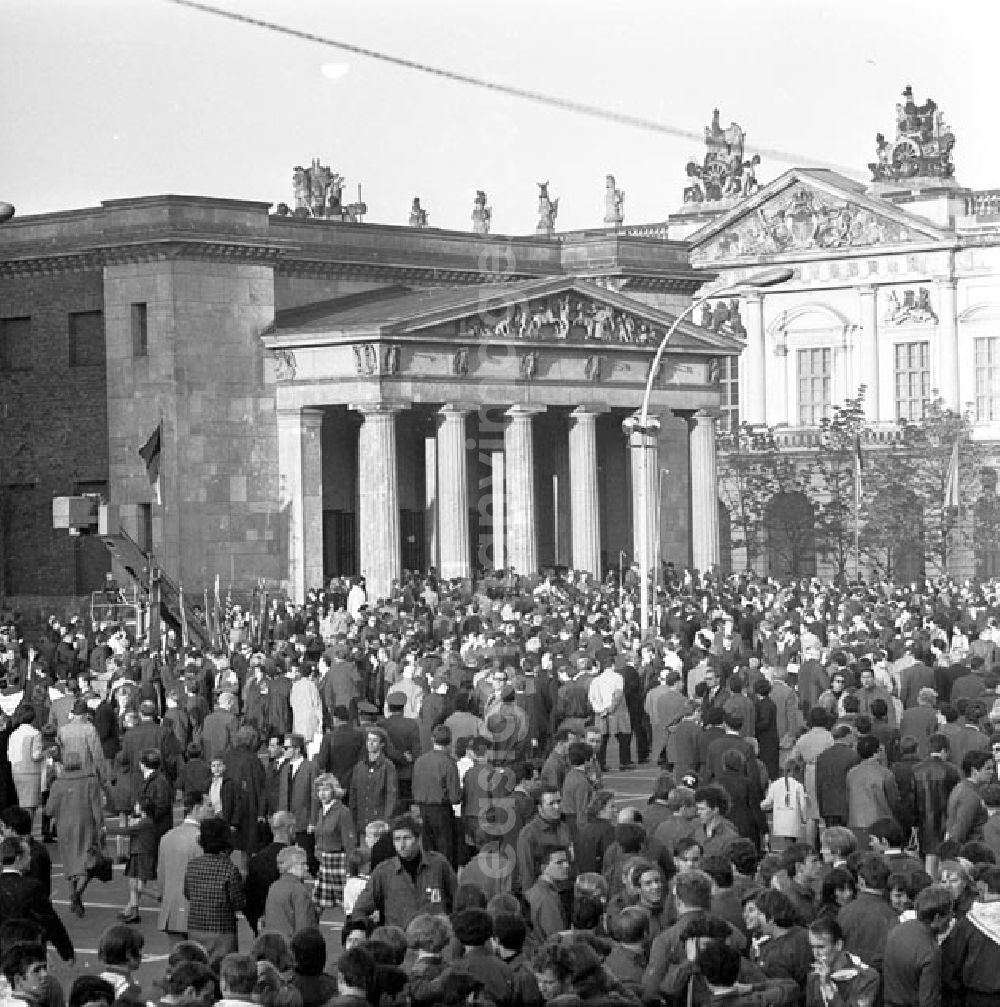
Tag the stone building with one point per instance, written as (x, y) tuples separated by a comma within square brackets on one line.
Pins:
[(895, 287), (339, 397)]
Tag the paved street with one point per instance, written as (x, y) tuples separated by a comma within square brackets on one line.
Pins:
[(104, 901)]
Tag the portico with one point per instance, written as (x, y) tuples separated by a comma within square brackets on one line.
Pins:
[(421, 430)]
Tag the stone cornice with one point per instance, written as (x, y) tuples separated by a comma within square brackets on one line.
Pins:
[(289, 265)]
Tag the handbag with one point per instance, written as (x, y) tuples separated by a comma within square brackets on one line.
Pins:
[(99, 866)]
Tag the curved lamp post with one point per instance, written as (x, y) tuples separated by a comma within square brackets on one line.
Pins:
[(756, 281)]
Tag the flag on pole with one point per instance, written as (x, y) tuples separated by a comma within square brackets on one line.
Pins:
[(951, 493), (150, 454), (859, 464)]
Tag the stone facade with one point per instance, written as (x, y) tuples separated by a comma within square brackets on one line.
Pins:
[(337, 397)]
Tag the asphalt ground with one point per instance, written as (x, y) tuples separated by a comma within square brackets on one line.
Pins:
[(104, 901)]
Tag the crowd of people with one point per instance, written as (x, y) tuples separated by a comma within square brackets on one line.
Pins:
[(428, 771)]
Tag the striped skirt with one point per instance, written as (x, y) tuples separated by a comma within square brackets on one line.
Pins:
[(332, 878)]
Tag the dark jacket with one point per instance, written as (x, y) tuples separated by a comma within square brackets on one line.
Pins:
[(22, 897)]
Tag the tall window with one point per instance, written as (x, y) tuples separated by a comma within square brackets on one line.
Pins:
[(140, 331), (728, 371), (988, 378), (815, 381), (86, 339), (913, 380), (15, 344)]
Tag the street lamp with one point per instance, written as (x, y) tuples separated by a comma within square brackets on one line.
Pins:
[(755, 281)]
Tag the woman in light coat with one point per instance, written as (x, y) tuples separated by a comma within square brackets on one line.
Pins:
[(26, 754)]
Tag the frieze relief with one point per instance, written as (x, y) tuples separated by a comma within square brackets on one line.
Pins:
[(285, 365), (565, 317), (909, 306), (373, 360), (802, 219)]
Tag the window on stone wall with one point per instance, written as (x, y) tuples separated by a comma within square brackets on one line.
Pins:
[(988, 379), (728, 370), (140, 330), (15, 344), (86, 339), (913, 380), (815, 371)]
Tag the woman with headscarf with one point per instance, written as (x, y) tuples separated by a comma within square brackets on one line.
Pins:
[(75, 807)]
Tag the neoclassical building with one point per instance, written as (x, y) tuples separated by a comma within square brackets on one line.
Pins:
[(895, 285), (336, 397)]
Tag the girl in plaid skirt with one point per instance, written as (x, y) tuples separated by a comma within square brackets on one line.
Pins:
[(333, 827)]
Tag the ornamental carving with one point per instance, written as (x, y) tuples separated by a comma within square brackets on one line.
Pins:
[(318, 192), (284, 365), (372, 360), (593, 367), (723, 317), (723, 173), (801, 219), (460, 362), (529, 365), (482, 215), (565, 317), (614, 203), (923, 144), (548, 210), (915, 306)]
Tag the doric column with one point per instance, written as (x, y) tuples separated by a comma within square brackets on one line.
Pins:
[(585, 513), (947, 355), (753, 362), (644, 453), (431, 502), (300, 479), (869, 353), (704, 491), (378, 480), (453, 493), (519, 451), (498, 513)]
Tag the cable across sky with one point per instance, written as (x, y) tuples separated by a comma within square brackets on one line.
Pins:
[(564, 104)]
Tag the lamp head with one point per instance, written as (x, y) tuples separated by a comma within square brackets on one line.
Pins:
[(767, 277)]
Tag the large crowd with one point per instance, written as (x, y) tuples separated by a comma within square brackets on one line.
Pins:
[(428, 771)]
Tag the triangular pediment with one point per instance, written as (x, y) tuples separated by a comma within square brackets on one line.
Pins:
[(560, 309), (805, 212)]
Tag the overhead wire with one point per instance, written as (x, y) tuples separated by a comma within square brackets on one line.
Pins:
[(565, 104)]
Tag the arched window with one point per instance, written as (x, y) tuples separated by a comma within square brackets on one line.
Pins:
[(789, 525)]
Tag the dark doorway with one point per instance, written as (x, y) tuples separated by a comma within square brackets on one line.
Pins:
[(340, 544)]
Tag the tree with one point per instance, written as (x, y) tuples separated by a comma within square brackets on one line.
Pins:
[(836, 481)]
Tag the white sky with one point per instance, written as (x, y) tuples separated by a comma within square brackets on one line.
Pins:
[(103, 99)]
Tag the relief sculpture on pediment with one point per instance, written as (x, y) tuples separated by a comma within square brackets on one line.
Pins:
[(564, 317), (802, 219)]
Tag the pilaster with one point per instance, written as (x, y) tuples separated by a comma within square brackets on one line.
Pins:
[(870, 376), (947, 354), (753, 362)]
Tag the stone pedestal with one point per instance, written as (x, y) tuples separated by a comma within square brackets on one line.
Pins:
[(300, 489), (644, 454), (947, 360), (869, 352), (453, 494), (378, 518), (584, 492), (753, 379), (519, 452), (704, 491)]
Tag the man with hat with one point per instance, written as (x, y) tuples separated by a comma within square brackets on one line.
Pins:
[(402, 744)]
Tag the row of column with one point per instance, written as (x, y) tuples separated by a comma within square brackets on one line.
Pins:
[(513, 511)]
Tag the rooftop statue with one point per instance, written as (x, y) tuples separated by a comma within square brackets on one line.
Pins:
[(923, 144), (548, 210), (418, 215), (319, 192), (614, 203), (723, 173), (482, 215)]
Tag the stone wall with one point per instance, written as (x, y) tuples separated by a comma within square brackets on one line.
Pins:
[(53, 430)]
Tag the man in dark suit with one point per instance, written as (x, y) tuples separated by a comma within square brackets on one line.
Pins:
[(136, 740), (403, 748), (342, 748), (15, 821), (263, 869), (22, 897), (295, 788), (831, 772)]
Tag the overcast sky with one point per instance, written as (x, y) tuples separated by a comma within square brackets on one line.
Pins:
[(103, 99)]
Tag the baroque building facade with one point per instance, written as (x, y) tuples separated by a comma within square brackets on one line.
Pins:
[(895, 290)]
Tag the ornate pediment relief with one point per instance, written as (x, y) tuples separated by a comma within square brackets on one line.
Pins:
[(568, 317), (801, 219)]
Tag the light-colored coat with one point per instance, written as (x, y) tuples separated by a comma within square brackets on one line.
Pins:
[(177, 849)]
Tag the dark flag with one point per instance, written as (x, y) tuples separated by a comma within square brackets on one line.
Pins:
[(150, 454)]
